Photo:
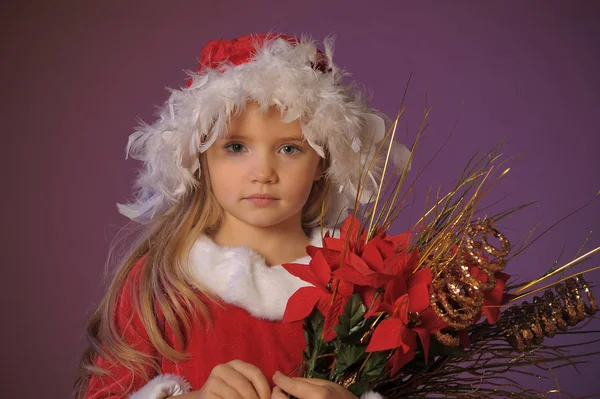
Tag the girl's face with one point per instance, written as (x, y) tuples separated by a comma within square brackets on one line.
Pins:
[(262, 155)]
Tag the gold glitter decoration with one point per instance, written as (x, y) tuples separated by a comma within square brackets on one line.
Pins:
[(447, 337), (348, 380), (457, 296), (527, 324)]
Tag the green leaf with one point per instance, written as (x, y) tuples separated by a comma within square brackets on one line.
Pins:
[(375, 366), (348, 355), (315, 346), (359, 388), (353, 317)]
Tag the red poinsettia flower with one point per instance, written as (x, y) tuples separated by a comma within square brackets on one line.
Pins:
[(494, 299), (366, 269), (318, 273), (375, 263), (321, 274), (406, 301), (378, 248)]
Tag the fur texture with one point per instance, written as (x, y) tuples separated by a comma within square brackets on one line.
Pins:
[(163, 386), (333, 117), (240, 276)]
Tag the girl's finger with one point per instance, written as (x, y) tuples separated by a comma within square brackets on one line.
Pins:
[(221, 389), (299, 387), (235, 380), (255, 376), (315, 381), (278, 394)]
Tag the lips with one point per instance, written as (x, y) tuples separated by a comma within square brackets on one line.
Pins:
[(261, 196)]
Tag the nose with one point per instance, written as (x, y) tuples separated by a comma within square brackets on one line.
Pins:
[(263, 169)]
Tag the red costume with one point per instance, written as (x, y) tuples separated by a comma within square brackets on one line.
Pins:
[(246, 327)]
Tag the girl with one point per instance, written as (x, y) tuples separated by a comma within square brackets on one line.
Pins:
[(242, 170)]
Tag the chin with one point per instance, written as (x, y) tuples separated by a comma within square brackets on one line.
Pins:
[(264, 221)]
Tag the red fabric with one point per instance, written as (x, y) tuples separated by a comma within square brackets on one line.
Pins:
[(241, 50), (121, 380), (235, 51), (233, 334)]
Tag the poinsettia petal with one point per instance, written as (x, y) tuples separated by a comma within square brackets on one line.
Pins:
[(422, 276), (425, 337), (357, 263), (301, 303), (378, 280), (431, 321), (333, 258), (351, 275), (332, 313), (401, 241), (370, 299), (402, 263), (501, 279), (350, 229), (492, 313), (372, 256), (387, 335), (402, 308), (399, 360), (408, 338), (478, 274), (334, 244), (303, 272), (344, 288), (495, 298), (419, 297), (395, 289), (311, 250), (385, 246), (321, 268), (394, 265)]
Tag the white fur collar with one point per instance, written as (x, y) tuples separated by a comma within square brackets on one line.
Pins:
[(240, 276)]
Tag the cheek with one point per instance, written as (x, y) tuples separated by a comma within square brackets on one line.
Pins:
[(301, 179), (222, 178)]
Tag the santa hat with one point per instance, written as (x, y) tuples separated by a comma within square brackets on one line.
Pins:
[(271, 70)]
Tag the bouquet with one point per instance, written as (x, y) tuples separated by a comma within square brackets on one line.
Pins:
[(430, 312)]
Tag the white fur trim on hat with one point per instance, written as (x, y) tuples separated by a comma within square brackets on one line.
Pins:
[(333, 116), (163, 386)]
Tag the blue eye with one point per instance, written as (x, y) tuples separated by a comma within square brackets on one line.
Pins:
[(292, 148), (234, 147)]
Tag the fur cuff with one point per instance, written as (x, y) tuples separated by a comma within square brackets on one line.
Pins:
[(371, 395), (163, 386)]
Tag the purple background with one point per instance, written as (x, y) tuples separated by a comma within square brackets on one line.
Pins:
[(75, 76)]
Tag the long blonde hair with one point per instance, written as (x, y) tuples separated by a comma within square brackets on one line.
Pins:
[(165, 243)]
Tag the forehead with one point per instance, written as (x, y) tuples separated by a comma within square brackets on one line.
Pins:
[(254, 122)]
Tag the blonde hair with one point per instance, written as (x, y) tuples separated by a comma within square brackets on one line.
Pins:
[(164, 283)]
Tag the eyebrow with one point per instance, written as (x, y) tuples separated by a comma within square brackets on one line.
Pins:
[(241, 136)]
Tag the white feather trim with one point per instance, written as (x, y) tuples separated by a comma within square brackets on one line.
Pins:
[(163, 386), (240, 276), (371, 395), (332, 115)]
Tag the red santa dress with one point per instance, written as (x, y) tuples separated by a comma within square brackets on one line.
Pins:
[(245, 325)]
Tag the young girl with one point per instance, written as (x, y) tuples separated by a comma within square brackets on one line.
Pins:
[(262, 147)]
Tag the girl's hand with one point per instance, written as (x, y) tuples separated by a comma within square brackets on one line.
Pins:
[(308, 388), (233, 380)]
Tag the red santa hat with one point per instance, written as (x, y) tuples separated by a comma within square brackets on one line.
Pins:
[(271, 70)]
